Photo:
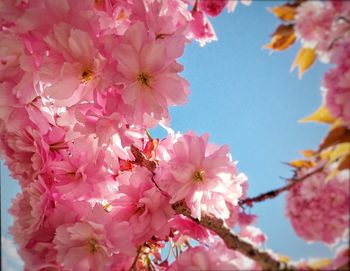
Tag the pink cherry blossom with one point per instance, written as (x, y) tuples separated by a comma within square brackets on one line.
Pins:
[(82, 173), (31, 210), (27, 154), (202, 174), (321, 204), (319, 25), (217, 257), (201, 29), (186, 227), (151, 79), (71, 70), (231, 5), (313, 22), (336, 83), (142, 204), (87, 243)]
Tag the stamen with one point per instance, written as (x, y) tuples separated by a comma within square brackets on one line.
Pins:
[(144, 79), (198, 176), (92, 244), (86, 75)]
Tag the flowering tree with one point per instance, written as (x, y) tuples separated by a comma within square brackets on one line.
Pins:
[(81, 84)]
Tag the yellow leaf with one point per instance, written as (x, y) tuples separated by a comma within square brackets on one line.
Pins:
[(332, 174), (322, 115), (282, 38), (338, 152), (285, 12), (302, 164), (304, 59), (283, 258), (319, 264), (325, 154)]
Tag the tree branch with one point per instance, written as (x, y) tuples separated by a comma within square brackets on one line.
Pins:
[(232, 241), (274, 193), (344, 267)]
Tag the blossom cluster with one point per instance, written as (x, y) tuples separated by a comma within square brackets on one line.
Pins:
[(322, 204), (81, 82), (325, 27)]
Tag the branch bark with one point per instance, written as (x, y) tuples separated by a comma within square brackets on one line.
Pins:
[(274, 193), (344, 267), (232, 241)]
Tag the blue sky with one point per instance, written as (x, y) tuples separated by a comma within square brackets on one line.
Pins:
[(245, 97)]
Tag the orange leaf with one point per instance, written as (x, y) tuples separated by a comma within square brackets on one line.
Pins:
[(308, 153), (282, 38), (322, 115), (285, 12), (337, 135), (301, 164), (304, 60), (344, 163)]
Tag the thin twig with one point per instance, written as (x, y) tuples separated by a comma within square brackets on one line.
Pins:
[(132, 268), (274, 193)]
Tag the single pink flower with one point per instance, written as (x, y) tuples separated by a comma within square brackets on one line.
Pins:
[(142, 204), (202, 174), (90, 243), (151, 79)]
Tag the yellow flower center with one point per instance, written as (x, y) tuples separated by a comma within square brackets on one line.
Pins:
[(198, 176), (144, 79), (92, 244), (86, 75), (121, 16)]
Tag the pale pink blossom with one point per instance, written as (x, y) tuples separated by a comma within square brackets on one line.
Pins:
[(184, 226), (313, 22), (88, 244), (72, 67), (142, 204), (82, 173), (321, 25), (202, 174), (216, 257), (27, 154), (231, 5), (31, 232), (319, 208), (336, 83), (151, 79), (201, 28)]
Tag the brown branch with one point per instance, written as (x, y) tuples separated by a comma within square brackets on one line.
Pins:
[(232, 241), (274, 193), (132, 268), (344, 267), (141, 159)]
